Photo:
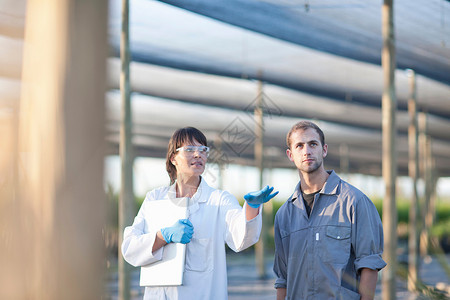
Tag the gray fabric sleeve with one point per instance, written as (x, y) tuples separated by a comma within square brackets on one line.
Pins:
[(280, 265), (367, 241)]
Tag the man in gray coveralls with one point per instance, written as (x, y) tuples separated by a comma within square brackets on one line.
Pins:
[(328, 234)]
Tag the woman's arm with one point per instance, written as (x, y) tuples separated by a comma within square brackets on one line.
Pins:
[(136, 244), (242, 225), (159, 242), (250, 212)]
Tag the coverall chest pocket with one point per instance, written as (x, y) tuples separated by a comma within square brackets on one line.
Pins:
[(336, 244), (198, 255)]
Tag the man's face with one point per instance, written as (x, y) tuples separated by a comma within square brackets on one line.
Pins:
[(306, 151)]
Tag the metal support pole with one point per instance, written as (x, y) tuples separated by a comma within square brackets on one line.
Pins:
[(259, 162), (126, 197), (389, 105), (413, 168)]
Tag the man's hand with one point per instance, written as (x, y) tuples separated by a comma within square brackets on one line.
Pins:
[(180, 232), (255, 199)]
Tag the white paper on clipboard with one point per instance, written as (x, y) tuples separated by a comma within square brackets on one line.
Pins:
[(169, 270)]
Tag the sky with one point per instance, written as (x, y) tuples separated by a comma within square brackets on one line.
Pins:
[(150, 173)]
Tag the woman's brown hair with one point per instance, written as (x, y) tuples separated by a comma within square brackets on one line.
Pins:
[(180, 137)]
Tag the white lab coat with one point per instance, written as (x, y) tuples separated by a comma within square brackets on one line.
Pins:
[(217, 218)]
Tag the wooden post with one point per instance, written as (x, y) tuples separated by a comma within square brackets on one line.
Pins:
[(423, 142), (389, 104), (434, 177), (428, 206), (126, 197), (413, 169), (259, 162), (344, 160), (430, 187), (219, 162), (54, 246)]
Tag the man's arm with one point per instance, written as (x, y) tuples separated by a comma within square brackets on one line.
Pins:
[(367, 284), (281, 293), (368, 246)]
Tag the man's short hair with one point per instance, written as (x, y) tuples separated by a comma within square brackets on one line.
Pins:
[(303, 125)]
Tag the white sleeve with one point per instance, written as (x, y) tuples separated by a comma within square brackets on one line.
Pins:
[(137, 244), (240, 233)]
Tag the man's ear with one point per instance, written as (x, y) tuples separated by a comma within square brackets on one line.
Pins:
[(325, 150), (289, 154)]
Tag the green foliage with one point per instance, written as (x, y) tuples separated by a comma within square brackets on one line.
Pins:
[(442, 210), (112, 199), (276, 205), (138, 203), (441, 229)]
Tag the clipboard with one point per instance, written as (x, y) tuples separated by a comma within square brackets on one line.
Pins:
[(169, 270)]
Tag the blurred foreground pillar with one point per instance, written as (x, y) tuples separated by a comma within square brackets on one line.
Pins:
[(126, 197), (54, 217)]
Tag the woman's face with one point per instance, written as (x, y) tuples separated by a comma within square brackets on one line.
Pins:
[(189, 163)]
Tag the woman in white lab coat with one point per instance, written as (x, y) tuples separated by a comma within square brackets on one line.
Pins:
[(215, 218)]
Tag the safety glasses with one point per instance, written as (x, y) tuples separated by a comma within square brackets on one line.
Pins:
[(190, 150)]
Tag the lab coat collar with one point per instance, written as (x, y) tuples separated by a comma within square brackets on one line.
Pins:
[(172, 193), (200, 196)]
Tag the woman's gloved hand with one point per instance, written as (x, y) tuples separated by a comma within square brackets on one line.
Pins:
[(180, 232), (255, 199)]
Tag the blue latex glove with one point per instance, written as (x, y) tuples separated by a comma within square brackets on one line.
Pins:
[(255, 199), (180, 232)]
